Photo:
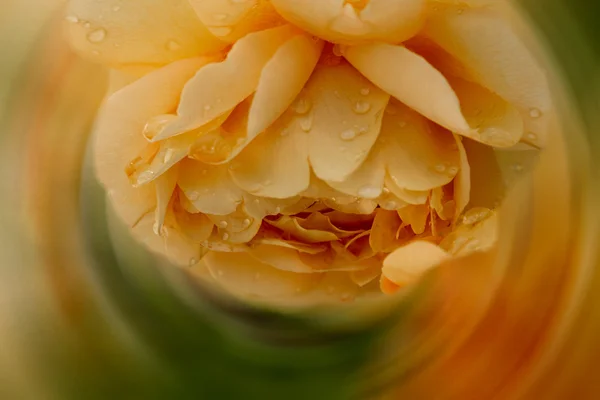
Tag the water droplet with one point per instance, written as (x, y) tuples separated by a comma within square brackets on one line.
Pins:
[(221, 30), (348, 134), (173, 45), (306, 123), (337, 50), (475, 215), (391, 109), (517, 167), (220, 17), (207, 107), (365, 91), (223, 224), (116, 8), (193, 261), (240, 141), (87, 25), (97, 35), (284, 132), (535, 113), (301, 106), (145, 177), (531, 136), (453, 170), (225, 236), (369, 192), (246, 223), (168, 155), (361, 107), (389, 205), (440, 168), (193, 196), (386, 190), (72, 19), (277, 210)]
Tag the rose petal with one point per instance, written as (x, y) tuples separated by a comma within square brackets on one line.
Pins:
[(383, 233), (346, 120), (477, 232), (138, 32), (118, 136), (318, 221), (260, 207), (410, 262), (275, 164), (487, 186), (414, 197), (292, 227), (418, 155), (165, 186), (462, 182), (415, 216), (209, 188), (366, 276), (219, 87), (367, 180), (237, 227), (196, 227), (342, 22), (291, 244), (420, 86), (493, 54), (232, 20), (281, 258), (281, 80), (243, 275)]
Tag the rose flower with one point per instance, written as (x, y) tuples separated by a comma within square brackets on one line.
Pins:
[(297, 147)]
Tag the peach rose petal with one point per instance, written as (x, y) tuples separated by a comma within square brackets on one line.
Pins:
[(291, 226), (339, 21), (237, 227), (493, 54), (495, 122), (478, 231), (165, 186), (346, 115), (419, 85), (415, 216), (209, 188), (292, 244), (367, 181), (408, 263), (275, 164), (118, 136), (232, 20), (383, 232), (243, 275), (462, 182), (292, 64), (365, 276), (282, 258), (219, 87), (117, 33), (319, 221), (418, 155), (414, 197), (196, 227)]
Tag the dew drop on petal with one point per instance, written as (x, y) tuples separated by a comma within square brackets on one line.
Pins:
[(221, 30), (517, 167), (225, 236), (440, 168), (97, 35), (145, 177), (391, 109), (361, 107), (223, 224), (168, 155), (306, 123), (452, 171), (301, 106), (246, 223), (535, 113), (72, 18), (365, 91), (348, 134), (337, 50), (173, 45), (475, 215), (220, 17), (193, 196), (193, 262), (531, 136), (116, 8)]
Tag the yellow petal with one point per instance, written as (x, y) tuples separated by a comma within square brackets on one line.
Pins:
[(219, 87), (231, 20), (342, 22), (237, 227), (383, 233), (292, 227), (118, 136), (275, 164), (347, 111), (415, 216), (410, 262), (365, 276), (350, 221), (165, 186), (281, 80), (488, 47), (196, 227), (462, 182), (209, 188), (414, 197), (281, 258), (367, 181), (494, 121), (419, 155), (138, 32), (478, 231), (321, 222), (292, 244), (411, 79), (243, 275), (330, 261)]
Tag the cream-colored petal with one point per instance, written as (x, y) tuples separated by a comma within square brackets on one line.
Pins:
[(237, 227), (367, 181), (415, 216), (118, 136), (462, 182), (219, 87), (342, 22), (243, 275), (328, 262), (414, 197), (495, 122), (209, 188), (196, 227), (408, 263), (281, 258), (281, 80), (383, 233), (275, 164), (292, 244), (291, 226), (232, 20), (260, 207), (419, 155), (318, 221), (347, 111), (165, 186), (121, 33), (493, 54), (411, 79), (478, 231), (350, 221), (365, 276), (487, 183)]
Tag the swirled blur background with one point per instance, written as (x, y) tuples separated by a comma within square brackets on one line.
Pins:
[(83, 318)]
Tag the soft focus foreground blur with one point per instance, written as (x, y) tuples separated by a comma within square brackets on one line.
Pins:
[(77, 321)]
